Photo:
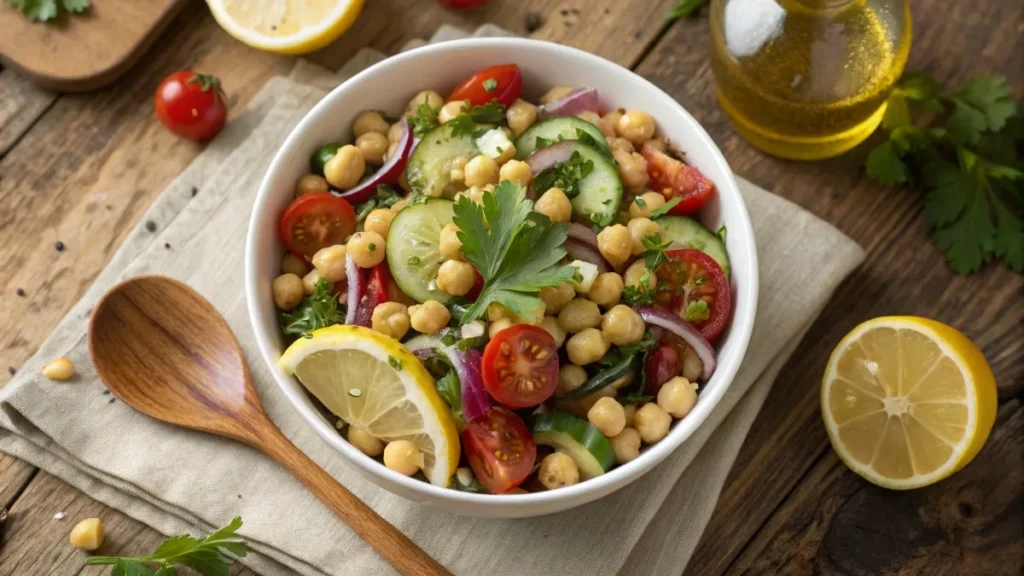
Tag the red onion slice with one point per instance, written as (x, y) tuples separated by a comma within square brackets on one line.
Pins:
[(579, 100), (475, 401), (548, 156), (356, 289), (582, 251), (584, 234), (678, 327), (389, 173)]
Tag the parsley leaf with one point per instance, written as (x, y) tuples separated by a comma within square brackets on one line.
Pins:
[(449, 388), (317, 310), (490, 85), (384, 197), (696, 312), (639, 294), (210, 556), (490, 113), (565, 175), (515, 249), (424, 120), (684, 8), (659, 212), (44, 10), (982, 104), (655, 254)]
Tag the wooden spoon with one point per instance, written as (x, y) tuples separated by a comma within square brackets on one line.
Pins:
[(164, 350)]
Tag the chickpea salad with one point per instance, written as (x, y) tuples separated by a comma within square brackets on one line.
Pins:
[(498, 296)]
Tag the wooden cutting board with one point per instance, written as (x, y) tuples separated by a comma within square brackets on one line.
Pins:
[(75, 53)]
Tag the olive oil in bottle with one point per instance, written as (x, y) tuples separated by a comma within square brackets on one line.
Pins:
[(807, 79)]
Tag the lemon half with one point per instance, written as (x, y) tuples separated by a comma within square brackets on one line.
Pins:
[(907, 401), (286, 26)]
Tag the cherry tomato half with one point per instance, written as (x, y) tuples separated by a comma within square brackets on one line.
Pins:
[(696, 290), (462, 4), (377, 292), (191, 105), (314, 221), (673, 178), (500, 450), (520, 366), (502, 83), (662, 365)]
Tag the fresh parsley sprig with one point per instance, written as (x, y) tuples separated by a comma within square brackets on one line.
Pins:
[(384, 197), (564, 175), (469, 122), (654, 255), (515, 249), (964, 146), (424, 120), (210, 556), (639, 294), (317, 310), (44, 10), (684, 8)]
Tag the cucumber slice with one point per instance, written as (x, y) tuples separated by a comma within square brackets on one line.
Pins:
[(693, 234), (555, 130), (430, 166), (578, 438), (601, 191), (414, 252)]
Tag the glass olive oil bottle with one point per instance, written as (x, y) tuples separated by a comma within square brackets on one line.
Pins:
[(807, 79)]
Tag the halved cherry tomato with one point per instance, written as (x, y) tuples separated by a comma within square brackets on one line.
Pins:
[(462, 4), (377, 292), (314, 221), (191, 105), (505, 83), (500, 450), (673, 178), (662, 365), (520, 366), (692, 277)]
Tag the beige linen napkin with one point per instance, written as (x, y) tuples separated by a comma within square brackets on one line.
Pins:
[(181, 481)]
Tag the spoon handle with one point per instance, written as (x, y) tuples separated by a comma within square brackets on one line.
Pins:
[(403, 554)]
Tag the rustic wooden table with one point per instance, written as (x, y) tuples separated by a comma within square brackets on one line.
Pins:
[(82, 169)]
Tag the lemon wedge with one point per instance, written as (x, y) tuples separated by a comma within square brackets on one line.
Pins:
[(371, 381), (286, 26), (907, 401)]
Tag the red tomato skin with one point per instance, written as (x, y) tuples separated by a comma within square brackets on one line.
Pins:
[(510, 86), (673, 178), (186, 109), (462, 4), (500, 430), (377, 292), (315, 203), (478, 286), (722, 309), (544, 371), (662, 365)]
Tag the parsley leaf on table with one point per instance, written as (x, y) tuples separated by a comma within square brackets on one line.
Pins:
[(684, 8), (315, 311), (43, 10), (210, 556), (515, 249)]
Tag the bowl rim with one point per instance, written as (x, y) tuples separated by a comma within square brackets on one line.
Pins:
[(740, 327)]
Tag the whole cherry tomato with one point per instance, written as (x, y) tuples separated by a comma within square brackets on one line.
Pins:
[(191, 105)]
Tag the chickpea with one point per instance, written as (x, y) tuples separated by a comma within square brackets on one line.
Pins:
[(87, 534), (497, 326), (626, 445), (369, 121), (550, 325), (558, 470), (622, 326), (584, 404), (455, 277), (366, 249), (292, 264), (609, 122), (346, 168), (586, 346), (556, 297), (636, 126), (395, 132), (481, 171), (458, 172), (373, 146), (555, 93), (652, 422), (287, 289), (621, 144), (365, 442), (496, 311), (555, 205), (60, 369), (310, 280), (615, 244), (379, 221), (452, 110), (330, 263), (588, 116), (428, 97), (392, 148), (403, 457), (311, 183), (635, 274), (507, 154), (643, 205), (640, 228), (516, 171), (693, 368), (656, 143), (677, 397), (632, 169), (430, 317), (450, 245), (606, 291), (397, 206), (520, 115), (391, 318), (629, 412), (570, 377), (607, 416), (578, 314)]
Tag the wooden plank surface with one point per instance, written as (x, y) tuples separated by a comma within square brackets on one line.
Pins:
[(83, 169)]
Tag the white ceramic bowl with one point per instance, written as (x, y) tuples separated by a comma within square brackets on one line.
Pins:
[(388, 86)]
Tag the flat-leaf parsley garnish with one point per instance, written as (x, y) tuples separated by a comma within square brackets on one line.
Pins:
[(565, 175), (210, 556), (317, 310)]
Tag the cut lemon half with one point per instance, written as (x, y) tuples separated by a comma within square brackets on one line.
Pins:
[(907, 401), (372, 382), (286, 26)]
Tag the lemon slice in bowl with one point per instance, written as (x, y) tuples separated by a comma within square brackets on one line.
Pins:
[(371, 381), (286, 26), (907, 401)]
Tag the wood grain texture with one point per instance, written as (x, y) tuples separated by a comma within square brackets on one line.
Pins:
[(21, 104), (86, 51)]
